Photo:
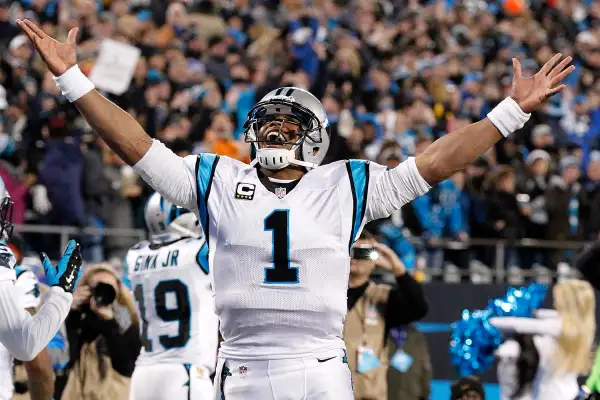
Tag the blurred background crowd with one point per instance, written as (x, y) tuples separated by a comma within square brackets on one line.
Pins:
[(393, 75)]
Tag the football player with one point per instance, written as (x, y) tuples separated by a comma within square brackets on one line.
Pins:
[(38, 373), (22, 334), (169, 276), (279, 231)]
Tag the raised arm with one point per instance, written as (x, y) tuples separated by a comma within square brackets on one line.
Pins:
[(123, 134), (117, 128), (455, 151), (533, 326)]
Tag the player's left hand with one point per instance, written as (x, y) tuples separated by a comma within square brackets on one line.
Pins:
[(531, 92), (68, 270), (104, 312), (389, 260)]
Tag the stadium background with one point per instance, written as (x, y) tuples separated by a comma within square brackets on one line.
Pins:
[(393, 75)]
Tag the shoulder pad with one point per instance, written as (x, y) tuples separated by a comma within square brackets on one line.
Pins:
[(140, 245), (7, 258)]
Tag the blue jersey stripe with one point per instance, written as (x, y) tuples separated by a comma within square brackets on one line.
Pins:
[(202, 258), (205, 169), (359, 173)]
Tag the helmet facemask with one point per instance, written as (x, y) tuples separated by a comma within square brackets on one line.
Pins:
[(277, 129), (6, 225)]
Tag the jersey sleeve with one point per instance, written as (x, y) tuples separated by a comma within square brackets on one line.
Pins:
[(533, 326), (390, 189), (25, 335), (170, 175), (377, 192), (28, 288)]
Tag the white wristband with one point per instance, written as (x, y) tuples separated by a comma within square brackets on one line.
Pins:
[(508, 116), (74, 84)]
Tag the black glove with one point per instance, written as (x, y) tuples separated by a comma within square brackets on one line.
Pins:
[(68, 270)]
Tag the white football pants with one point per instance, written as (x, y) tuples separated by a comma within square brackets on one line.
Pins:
[(326, 377), (171, 382)]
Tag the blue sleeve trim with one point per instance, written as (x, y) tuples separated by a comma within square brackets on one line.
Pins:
[(202, 258), (358, 172), (205, 171), (125, 278)]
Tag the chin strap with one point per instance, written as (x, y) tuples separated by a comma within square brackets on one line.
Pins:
[(279, 158)]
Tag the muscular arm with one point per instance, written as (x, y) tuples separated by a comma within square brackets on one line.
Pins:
[(127, 138), (24, 335), (40, 376), (123, 134), (457, 150)]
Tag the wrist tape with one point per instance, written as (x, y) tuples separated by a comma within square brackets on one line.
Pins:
[(508, 116), (74, 84)]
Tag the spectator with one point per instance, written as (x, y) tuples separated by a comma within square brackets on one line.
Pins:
[(409, 382), (387, 72), (535, 208), (567, 206), (104, 337), (505, 216), (374, 309), (467, 388)]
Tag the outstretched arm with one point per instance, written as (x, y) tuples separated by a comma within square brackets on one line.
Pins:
[(455, 151), (117, 128), (123, 134), (533, 326)]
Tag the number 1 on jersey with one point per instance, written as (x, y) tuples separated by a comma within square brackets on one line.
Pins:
[(281, 271)]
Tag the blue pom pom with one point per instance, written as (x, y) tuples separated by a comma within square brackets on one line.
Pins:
[(474, 339)]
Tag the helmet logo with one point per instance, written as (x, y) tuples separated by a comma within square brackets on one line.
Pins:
[(283, 98)]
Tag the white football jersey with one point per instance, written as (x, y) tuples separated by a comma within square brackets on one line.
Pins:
[(279, 255), (171, 284), (281, 260), (30, 297)]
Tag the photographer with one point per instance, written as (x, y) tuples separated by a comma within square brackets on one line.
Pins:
[(373, 311), (104, 338)]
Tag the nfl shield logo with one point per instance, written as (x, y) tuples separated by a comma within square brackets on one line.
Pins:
[(280, 192), (243, 370)]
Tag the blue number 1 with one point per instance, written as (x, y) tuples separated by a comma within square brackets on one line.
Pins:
[(280, 272)]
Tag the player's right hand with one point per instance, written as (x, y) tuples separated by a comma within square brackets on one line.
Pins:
[(67, 271), (59, 57)]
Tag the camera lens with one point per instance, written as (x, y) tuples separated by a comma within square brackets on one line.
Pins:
[(104, 294)]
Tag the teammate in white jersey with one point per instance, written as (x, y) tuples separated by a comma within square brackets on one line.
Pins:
[(24, 335), (169, 276), (39, 370), (279, 230)]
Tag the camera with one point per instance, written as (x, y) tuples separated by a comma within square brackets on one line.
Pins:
[(364, 253), (104, 294)]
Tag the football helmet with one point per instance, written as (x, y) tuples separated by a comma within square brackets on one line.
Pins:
[(162, 217), (290, 107), (6, 210)]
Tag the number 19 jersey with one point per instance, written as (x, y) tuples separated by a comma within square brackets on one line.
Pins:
[(280, 256), (172, 288)]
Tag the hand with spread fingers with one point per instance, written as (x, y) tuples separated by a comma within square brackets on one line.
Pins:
[(67, 272), (58, 56), (531, 92)]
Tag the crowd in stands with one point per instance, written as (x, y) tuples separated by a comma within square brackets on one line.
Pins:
[(393, 75)]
